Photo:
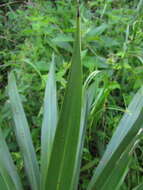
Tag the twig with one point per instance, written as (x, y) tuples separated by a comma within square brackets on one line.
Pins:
[(5, 38), (6, 4)]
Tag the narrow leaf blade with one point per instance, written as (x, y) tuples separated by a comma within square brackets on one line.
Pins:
[(9, 175), (63, 157), (49, 122), (139, 187), (119, 172), (23, 134), (128, 128), (3, 185), (83, 124)]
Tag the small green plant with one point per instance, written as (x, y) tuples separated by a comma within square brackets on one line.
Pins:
[(62, 137)]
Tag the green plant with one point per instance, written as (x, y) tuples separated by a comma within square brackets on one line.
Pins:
[(63, 137)]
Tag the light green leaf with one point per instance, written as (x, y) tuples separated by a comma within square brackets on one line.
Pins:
[(63, 38), (119, 172), (63, 158), (49, 122), (2, 184), (139, 187), (62, 41), (64, 45), (23, 134), (8, 174), (128, 128), (139, 6), (96, 31)]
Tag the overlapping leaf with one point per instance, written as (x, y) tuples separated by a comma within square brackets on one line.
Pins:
[(128, 128)]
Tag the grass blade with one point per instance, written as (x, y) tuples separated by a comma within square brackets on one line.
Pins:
[(128, 128), (49, 122), (23, 134), (9, 177), (61, 168)]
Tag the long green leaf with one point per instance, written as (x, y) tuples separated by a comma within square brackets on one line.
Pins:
[(119, 172), (86, 108), (49, 122), (139, 187), (84, 116), (9, 177), (128, 128), (23, 135), (61, 168), (2, 184)]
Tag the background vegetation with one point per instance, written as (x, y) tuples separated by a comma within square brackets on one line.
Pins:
[(112, 43)]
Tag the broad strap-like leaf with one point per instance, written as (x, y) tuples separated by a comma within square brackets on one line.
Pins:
[(128, 128), (23, 135), (49, 122), (9, 179), (62, 161)]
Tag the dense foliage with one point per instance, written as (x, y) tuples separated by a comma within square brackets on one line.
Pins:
[(112, 44)]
